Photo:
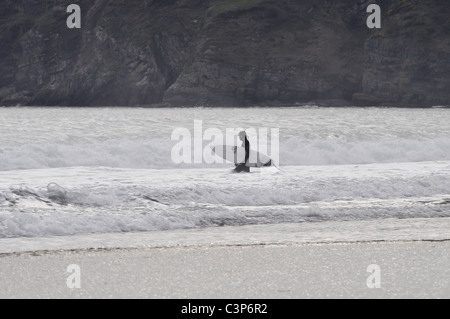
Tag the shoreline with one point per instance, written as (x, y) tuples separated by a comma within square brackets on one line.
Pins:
[(377, 230), (45, 252)]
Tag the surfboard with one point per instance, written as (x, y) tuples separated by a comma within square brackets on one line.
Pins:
[(236, 154)]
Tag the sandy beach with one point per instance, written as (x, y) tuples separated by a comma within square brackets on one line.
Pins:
[(418, 269)]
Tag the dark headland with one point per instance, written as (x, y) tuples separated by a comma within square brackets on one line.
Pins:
[(225, 53)]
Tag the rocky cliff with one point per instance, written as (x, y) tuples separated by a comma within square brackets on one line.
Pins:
[(224, 53)]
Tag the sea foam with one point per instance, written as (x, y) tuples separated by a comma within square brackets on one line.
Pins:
[(156, 153)]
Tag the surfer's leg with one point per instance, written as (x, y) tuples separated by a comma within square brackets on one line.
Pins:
[(242, 168)]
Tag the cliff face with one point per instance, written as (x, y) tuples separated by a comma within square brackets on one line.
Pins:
[(224, 52), (126, 53), (407, 62), (274, 52)]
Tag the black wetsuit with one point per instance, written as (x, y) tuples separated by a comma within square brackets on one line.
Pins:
[(242, 167)]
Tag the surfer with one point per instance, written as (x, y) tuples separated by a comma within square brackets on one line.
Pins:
[(242, 167)]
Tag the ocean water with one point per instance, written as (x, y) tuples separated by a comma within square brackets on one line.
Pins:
[(105, 177)]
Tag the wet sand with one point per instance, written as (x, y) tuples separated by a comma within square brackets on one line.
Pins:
[(419, 269)]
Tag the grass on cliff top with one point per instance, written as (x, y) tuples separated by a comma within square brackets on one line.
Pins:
[(221, 6)]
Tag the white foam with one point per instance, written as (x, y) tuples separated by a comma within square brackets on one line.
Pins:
[(338, 152), (156, 153), (104, 200)]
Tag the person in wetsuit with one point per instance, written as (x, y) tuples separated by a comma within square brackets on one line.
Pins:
[(241, 167)]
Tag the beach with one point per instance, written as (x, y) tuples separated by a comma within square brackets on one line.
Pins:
[(404, 269), (97, 202)]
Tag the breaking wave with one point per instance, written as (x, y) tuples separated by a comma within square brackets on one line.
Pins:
[(156, 153), (211, 198)]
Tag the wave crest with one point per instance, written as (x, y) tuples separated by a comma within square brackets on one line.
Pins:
[(156, 153)]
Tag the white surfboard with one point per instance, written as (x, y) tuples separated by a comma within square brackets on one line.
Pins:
[(236, 154)]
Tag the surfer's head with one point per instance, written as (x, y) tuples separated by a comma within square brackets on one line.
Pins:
[(242, 135)]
